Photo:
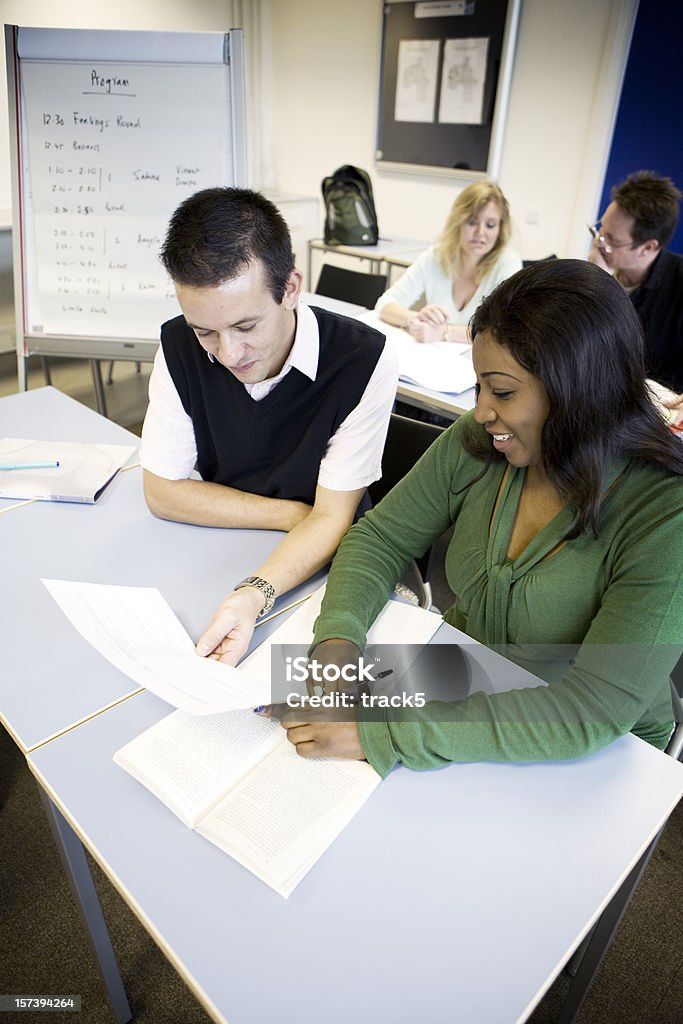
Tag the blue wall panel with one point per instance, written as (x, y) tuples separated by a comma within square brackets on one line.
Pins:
[(648, 134)]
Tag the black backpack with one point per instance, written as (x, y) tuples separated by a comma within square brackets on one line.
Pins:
[(350, 217)]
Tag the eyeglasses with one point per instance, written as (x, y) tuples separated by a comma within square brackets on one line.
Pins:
[(607, 247)]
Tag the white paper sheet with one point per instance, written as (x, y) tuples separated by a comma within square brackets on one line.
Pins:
[(136, 630), (418, 61), (462, 81)]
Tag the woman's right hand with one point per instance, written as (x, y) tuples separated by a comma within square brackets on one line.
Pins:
[(424, 331)]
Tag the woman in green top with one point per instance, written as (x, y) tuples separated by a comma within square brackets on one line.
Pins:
[(565, 489)]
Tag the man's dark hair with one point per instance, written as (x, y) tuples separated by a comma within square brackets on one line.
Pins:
[(653, 202), (215, 234), (574, 327)]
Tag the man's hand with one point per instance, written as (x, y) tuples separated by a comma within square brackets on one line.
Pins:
[(230, 629), (597, 257), (675, 415)]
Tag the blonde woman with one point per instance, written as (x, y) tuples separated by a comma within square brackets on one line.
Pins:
[(454, 275)]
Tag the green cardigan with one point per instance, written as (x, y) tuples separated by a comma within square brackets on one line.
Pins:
[(600, 620)]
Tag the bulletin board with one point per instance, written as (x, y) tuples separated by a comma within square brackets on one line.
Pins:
[(110, 132), (445, 75)]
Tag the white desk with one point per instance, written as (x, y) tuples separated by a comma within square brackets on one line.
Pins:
[(456, 895), (377, 255), (448, 405), (51, 677)]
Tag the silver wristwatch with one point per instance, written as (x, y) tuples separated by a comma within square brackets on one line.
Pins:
[(266, 588)]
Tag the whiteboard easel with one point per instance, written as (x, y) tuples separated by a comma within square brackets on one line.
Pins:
[(110, 132)]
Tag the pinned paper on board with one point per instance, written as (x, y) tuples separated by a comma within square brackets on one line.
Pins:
[(418, 65), (462, 81)]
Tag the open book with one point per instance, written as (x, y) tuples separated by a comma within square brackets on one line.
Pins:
[(80, 472), (237, 780)]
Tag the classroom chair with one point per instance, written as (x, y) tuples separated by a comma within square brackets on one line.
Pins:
[(406, 441), (675, 744), (530, 263), (351, 285)]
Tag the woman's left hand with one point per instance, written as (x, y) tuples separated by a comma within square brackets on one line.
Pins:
[(433, 314)]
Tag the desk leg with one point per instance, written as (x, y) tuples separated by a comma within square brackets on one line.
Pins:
[(309, 261), (82, 886), (99, 389), (600, 939)]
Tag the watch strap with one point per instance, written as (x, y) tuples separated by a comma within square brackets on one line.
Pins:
[(266, 588)]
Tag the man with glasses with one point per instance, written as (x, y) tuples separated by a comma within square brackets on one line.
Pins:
[(630, 243)]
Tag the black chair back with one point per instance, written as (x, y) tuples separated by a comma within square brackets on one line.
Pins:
[(407, 440), (530, 263), (351, 285)]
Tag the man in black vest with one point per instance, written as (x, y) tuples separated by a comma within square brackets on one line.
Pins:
[(282, 408), (630, 243)]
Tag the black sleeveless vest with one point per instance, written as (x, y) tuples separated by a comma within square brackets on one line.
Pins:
[(272, 447)]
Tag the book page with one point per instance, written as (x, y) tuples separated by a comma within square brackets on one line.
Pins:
[(82, 473), (284, 815), (189, 761)]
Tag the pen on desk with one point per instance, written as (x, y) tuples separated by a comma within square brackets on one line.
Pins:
[(29, 465)]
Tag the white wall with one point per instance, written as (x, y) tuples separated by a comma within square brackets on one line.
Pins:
[(564, 91), (323, 79)]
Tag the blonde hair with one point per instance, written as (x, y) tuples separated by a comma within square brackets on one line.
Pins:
[(468, 204)]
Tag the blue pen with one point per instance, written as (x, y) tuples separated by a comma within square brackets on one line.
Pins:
[(29, 465)]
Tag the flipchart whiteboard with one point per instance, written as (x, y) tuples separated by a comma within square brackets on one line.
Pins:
[(111, 131)]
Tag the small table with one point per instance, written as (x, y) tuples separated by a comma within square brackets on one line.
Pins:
[(377, 255)]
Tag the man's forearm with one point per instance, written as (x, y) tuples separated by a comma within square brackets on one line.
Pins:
[(305, 550), (208, 504)]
